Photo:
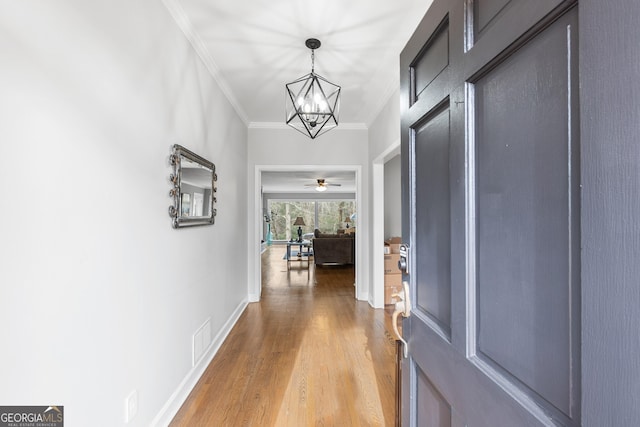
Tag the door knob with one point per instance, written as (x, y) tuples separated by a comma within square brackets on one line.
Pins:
[(403, 307)]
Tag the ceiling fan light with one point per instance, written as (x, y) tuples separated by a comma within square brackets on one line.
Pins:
[(321, 188)]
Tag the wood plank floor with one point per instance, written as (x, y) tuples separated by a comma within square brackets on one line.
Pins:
[(308, 354)]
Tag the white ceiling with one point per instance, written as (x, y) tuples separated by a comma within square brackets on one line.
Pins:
[(297, 181), (255, 47)]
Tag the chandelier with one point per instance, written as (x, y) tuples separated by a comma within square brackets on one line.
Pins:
[(312, 102)]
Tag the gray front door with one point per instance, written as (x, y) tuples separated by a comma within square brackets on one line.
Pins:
[(491, 212)]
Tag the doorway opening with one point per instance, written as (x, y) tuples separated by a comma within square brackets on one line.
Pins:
[(297, 188)]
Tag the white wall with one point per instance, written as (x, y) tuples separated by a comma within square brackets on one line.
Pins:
[(99, 295), (384, 143), (283, 148), (384, 132), (392, 199)]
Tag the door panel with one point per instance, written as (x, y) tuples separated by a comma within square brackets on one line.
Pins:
[(484, 11), (420, 95), (516, 20), (490, 152), (433, 207), (525, 240), (433, 60), (433, 409)]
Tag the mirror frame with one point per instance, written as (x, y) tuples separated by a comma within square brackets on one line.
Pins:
[(175, 211)]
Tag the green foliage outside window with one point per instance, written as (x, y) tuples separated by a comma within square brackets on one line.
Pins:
[(331, 216)]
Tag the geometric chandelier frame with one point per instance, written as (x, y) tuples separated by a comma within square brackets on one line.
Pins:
[(312, 102)]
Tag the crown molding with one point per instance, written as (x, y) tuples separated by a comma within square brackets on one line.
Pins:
[(183, 22)]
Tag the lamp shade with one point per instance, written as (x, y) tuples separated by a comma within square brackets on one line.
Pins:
[(299, 221)]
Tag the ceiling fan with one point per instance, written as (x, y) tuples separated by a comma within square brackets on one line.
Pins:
[(322, 185)]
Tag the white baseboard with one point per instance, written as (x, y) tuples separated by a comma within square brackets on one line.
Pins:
[(363, 296), (171, 408)]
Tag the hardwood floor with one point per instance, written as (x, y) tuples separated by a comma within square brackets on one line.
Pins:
[(308, 354)]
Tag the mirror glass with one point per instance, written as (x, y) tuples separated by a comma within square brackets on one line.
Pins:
[(194, 189)]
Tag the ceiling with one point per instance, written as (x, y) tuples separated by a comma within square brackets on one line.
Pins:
[(297, 181), (255, 47)]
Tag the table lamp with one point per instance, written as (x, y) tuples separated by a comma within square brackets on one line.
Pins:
[(347, 220), (299, 222)]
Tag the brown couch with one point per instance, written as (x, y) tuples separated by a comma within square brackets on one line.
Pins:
[(333, 248)]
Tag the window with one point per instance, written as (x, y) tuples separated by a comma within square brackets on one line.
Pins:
[(284, 213), (332, 215), (328, 216)]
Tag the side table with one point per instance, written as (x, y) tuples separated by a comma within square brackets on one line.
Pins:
[(304, 251)]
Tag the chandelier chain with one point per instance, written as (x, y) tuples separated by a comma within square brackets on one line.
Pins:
[(313, 60)]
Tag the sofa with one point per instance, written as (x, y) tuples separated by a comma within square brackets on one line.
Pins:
[(333, 248)]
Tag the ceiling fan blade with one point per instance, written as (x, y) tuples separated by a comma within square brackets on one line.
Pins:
[(321, 182)]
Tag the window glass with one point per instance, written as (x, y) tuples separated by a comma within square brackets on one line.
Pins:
[(283, 215), (331, 216)]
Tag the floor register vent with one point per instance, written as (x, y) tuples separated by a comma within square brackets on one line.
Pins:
[(201, 341)]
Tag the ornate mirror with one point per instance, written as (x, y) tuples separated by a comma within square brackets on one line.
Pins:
[(194, 188)]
